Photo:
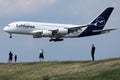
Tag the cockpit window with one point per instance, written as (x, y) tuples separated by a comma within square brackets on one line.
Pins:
[(8, 25)]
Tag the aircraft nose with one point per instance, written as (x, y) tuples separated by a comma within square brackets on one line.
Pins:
[(5, 28)]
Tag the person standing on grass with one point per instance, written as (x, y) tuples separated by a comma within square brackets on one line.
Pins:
[(15, 58), (93, 52), (10, 57), (41, 55)]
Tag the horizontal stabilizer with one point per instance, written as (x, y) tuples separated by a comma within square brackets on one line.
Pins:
[(104, 31)]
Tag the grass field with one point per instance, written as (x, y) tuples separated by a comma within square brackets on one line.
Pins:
[(107, 69)]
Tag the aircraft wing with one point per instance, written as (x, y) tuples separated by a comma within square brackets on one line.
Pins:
[(104, 31), (56, 34), (70, 30), (77, 27), (37, 34)]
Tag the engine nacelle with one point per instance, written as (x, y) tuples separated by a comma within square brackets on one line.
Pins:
[(62, 31), (46, 33)]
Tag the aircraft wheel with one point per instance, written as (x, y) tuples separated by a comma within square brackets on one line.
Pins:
[(50, 40), (10, 36)]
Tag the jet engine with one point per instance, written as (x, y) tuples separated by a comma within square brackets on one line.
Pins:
[(62, 31), (46, 33)]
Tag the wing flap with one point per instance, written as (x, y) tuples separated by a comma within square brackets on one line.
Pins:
[(72, 29)]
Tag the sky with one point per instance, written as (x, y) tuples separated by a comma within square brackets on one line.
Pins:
[(64, 12)]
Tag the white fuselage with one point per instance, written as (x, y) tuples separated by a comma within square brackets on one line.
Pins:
[(30, 28)]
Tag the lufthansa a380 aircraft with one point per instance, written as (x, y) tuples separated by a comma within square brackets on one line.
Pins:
[(57, 32)]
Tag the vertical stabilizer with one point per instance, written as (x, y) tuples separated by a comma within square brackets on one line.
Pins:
[(98, 23)]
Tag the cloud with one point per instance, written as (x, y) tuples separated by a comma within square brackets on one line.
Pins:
[(13, 7)]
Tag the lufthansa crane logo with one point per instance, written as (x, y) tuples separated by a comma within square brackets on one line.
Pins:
[(100, 21)]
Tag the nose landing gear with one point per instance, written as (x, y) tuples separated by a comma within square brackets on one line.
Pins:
[(10, 36)]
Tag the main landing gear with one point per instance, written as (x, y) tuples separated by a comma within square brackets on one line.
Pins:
[(55, 40)]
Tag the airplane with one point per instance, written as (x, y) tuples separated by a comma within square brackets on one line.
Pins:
[(56, 32)]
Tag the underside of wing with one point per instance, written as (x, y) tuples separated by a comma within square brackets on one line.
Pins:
[(76, 28), (37, 34), (58, 33)]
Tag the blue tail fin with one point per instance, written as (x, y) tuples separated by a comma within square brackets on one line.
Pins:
[(98, 23)]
